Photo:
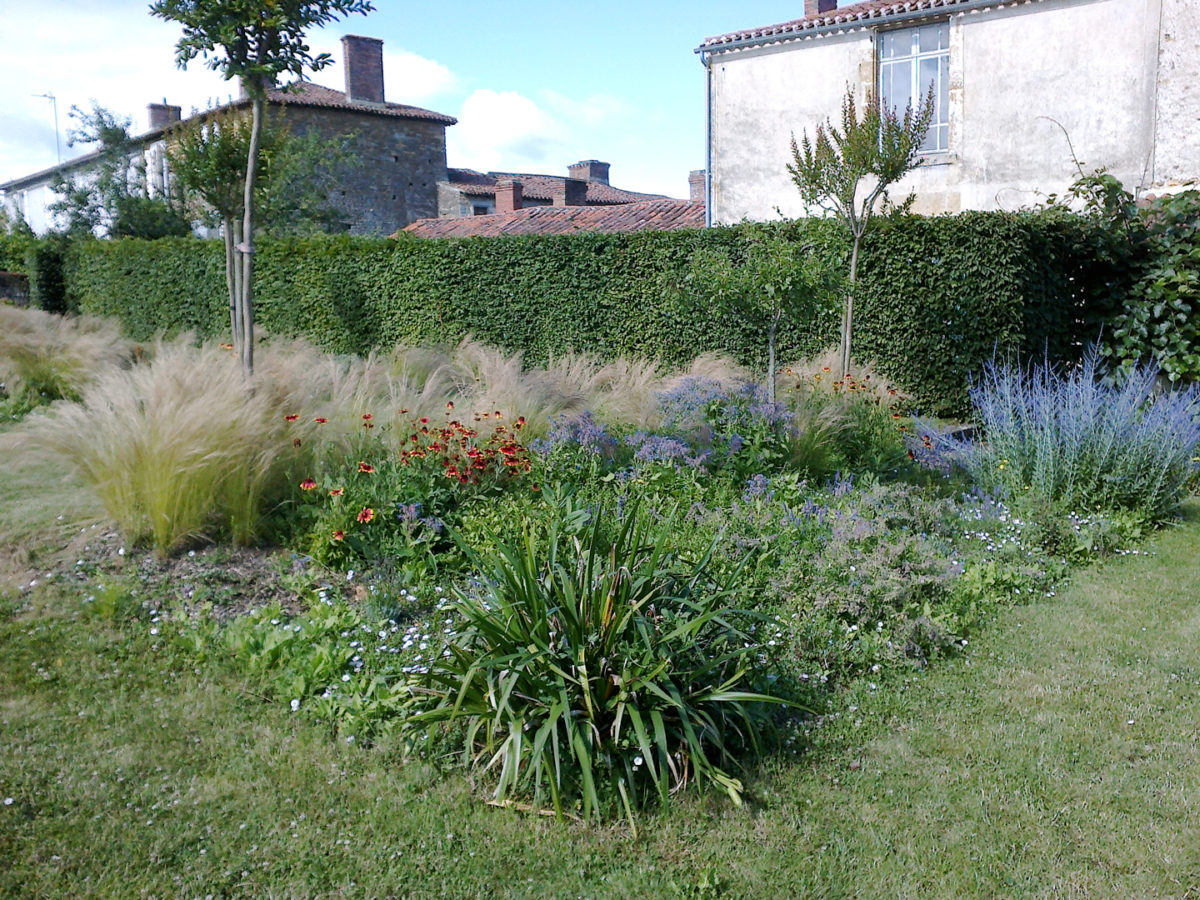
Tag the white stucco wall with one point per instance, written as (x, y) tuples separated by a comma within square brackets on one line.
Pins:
[(1101, 68)]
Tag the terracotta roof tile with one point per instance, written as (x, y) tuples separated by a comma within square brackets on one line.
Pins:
[(305, 93), (869, 11), (648, 215), (539, 187)]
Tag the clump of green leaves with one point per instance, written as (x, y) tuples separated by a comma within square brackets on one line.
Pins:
[(599, 676)]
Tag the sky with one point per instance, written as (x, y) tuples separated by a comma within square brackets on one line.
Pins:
[(535, 85)]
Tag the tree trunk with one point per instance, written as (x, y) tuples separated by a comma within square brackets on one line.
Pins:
[(771, 359), (848, 316), (247, 245), (231, 265)]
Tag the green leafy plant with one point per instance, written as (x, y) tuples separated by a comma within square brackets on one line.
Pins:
[(597, 678), (829, 170)]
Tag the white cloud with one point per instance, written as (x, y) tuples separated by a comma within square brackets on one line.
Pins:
[(506, 131), (593, 112)]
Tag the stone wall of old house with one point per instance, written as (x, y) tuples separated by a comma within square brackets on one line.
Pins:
[(400, 161), (1023, 78)]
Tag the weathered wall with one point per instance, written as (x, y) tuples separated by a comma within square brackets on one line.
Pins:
[(1094, 66), (1177, 126), (400, 163)]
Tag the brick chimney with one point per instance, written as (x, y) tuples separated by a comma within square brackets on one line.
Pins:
[(816, 7), (163, 115), (589, 170), (696, 185), (508, 196), (364, 68), (569, 192)]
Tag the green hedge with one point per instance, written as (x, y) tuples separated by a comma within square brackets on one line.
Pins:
[(937, 297)]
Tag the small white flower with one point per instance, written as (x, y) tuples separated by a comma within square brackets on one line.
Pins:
[(121, 552), (9, 801), (295, 705), (637, 761), (154, 631), (346, 677)]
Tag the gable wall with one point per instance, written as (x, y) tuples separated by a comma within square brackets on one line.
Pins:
[(1092, 65)]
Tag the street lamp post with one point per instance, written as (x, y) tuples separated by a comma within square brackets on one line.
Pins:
[(54, 102)]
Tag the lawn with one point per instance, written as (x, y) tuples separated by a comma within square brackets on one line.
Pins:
[(1057, 757)]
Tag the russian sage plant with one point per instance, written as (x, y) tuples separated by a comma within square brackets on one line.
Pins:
[(1075, 439)]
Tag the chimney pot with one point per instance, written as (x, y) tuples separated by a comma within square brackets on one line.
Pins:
[(696, 185), (589, 170), (817, 7), (509, 196), (364, 68), (570, 192), (163, 115)]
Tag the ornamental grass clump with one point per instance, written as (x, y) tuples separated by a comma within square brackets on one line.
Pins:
[(1075, 439), (597, 674), (178, 449), (46, 357)]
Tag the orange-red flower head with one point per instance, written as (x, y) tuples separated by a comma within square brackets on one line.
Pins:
[(366, 515), (366, 468), (336, 492), (367, 417), (308, 485), (290, 417), (339, 535), (320, 420)]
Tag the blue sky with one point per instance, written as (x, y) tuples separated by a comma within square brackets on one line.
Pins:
[(535, 85)]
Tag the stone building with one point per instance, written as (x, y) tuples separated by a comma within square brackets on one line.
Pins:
[(400, 149), (1025, 91)]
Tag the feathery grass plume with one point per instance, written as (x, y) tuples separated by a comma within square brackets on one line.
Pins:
[(178, 449), (819, 374), (625, 391), (46, 357), (1074, 439)]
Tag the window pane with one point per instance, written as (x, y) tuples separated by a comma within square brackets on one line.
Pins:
[(934, 37), (897, 85), (927, 78), (890, 46)]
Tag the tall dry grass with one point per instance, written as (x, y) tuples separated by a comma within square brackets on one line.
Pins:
[(47, 357)]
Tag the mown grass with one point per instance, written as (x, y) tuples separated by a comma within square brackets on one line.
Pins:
[(1058, 758)]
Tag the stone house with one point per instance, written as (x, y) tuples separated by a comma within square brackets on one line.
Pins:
[(400, 149), (1026, 92)]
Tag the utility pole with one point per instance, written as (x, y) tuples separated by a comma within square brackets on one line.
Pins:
[(57, 144)]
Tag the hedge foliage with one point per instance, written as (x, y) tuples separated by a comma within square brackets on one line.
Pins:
[(937, 296)]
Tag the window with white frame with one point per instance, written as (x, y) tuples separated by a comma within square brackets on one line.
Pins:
[(910, 61)]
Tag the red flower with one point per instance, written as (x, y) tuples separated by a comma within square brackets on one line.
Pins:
[(424, 420), (291, 417), (320, 420), (337, 492), (295, 442), (366, 468), (308, 485), (520, 422), (367, 417), (404, 412), (449, 404), (339, 535), (366, 515), (368, 424)]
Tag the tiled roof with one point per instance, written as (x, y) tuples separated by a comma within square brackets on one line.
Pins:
[(539, 187), (867, 12), (648, 215), (305, 93)]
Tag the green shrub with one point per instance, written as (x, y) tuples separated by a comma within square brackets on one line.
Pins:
[(935, 296), (45, 259), (596, 678)]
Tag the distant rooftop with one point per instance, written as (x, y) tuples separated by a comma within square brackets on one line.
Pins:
[(539, 187), (645, 215)]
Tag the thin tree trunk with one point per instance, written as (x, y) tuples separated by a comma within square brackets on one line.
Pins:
[(771, 359), (848, 317), (247, 244), (231, 265)]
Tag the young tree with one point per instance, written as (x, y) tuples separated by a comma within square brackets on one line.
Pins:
[(112, 197), (257, 41), (878, 149), (208, 157), (779, 277)]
